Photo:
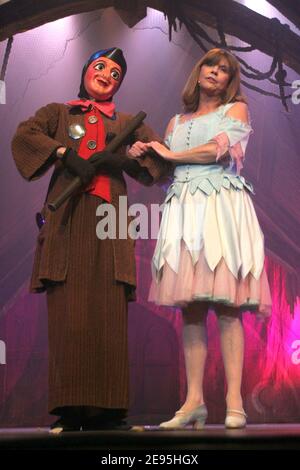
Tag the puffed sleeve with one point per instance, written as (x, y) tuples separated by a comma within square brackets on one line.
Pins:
[(170, 130), (232, 137), (167, 139)]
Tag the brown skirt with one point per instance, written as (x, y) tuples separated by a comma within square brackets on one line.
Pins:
[(87, 321)]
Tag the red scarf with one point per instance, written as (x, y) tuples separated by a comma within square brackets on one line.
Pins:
[(105, 107), (100, 185)]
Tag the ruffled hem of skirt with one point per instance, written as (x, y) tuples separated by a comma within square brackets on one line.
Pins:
[(199, 283)]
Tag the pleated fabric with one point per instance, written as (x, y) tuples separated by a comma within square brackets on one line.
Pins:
[(88, 350), (210, 247)]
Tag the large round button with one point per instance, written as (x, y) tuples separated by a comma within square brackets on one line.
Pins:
[(76, 131), (92, 144), (92, 119)]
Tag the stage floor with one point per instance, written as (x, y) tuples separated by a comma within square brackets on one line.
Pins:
[(212, 437)]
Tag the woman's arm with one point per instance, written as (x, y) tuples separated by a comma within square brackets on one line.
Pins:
[(206, 153), (144, 166), (138, 149), (202, 154)]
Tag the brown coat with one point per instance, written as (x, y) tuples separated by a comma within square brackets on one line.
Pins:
[(33, 149), (87, 306)]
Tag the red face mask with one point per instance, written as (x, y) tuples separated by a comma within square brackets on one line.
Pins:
[(102, 78)]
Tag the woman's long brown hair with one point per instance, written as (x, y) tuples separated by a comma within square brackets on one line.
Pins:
[(191, 91)]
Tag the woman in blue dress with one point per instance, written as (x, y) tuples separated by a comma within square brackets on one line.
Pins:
[(210, 247)]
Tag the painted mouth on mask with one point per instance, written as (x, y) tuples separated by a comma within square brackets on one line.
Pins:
[(102, 81)]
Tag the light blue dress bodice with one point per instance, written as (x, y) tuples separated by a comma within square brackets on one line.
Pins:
[(200, 130)]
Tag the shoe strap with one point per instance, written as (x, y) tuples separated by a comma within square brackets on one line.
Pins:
[(231, 410), (180, 413)]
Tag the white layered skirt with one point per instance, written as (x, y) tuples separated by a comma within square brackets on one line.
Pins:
[(210, 246)]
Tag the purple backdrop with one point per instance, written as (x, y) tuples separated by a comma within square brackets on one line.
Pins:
[(45, 66)]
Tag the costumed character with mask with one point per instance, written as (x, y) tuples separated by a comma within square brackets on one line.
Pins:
[(88, 281)]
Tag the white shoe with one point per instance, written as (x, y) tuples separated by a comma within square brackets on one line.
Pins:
[(196, 417), (233, 421)]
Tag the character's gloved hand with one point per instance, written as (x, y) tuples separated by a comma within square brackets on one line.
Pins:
[(112, 163), (108, 162), (78, 166)]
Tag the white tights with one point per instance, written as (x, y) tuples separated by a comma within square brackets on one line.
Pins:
[(195, 352)]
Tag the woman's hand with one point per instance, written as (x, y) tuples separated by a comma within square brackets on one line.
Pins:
[(137, 150), (161, 150)]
